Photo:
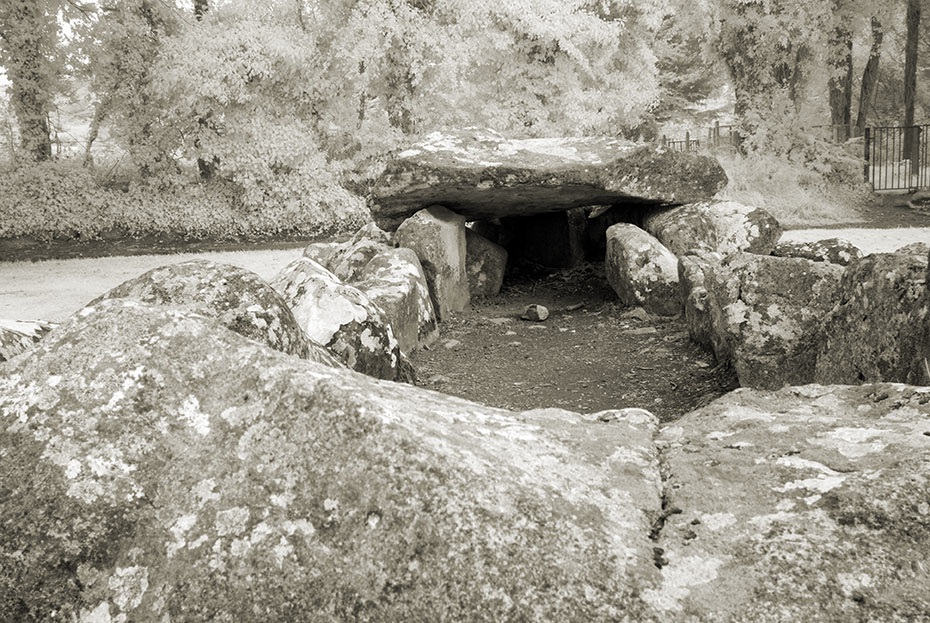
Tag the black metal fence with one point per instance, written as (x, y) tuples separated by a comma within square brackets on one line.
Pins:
[(718, 136), (896, 157)]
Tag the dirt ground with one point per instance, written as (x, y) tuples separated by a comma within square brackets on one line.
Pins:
[(591, 353)]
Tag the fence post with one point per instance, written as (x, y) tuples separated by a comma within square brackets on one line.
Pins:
[(866, 147), (915, 160), (687, 141), (716, 132)]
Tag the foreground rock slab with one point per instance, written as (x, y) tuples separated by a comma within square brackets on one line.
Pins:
[(482, 175), (807, 504), (158, 466)]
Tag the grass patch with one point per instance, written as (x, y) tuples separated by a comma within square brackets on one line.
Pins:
[(798, 195)]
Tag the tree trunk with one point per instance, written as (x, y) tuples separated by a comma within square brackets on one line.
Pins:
[(26, 34), (840, 83), (910, 77), (206, 168), (870, 75)]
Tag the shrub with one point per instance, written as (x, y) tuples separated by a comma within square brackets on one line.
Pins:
[(62, 200)]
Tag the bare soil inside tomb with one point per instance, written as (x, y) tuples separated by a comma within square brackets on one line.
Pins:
[(591, 354)]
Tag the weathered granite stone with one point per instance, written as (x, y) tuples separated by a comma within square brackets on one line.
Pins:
[(157, 467), (485, 263), (322, 252), (482, 175), (18, 336), (552, 240), (864, 337), (720, 226), (238, 298), (341, 318), (641, 271), (694, 296), (437, 236), (834, 250), (347, 259), (394, 281), (807, 504), (917, 352), (766, 313)]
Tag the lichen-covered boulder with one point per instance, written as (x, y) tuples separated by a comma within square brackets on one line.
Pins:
[(866, 336), (159, 467), (766, 313), (834, 250), (341, 318), (718, 226), (394, 281), (483, 175), (641, 271), (18, 336), (694, 296), (238, 298), (347, 259), (485, 263), (437, 236), (807, 504)]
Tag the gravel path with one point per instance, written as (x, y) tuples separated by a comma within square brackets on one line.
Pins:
[(54, 289), (868, 240)]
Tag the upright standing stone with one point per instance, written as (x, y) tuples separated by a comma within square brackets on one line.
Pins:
[(641, 271), (437, 236), (485, 263), (872, 321), (394, 281), (766, 315)]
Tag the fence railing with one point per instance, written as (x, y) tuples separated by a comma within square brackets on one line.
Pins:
[(894, 157), (716, 137)]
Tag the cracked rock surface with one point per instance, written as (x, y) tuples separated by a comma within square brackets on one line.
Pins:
[(807, 504)]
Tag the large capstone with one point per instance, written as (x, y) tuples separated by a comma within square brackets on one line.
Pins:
[(157, 466), (807, 504), (236, 297), (482, 175)]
